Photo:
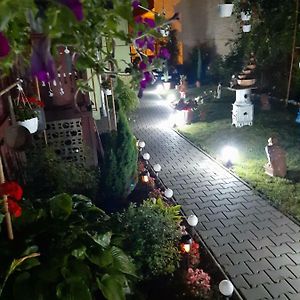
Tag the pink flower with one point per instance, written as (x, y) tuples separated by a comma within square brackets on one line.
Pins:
[(4, 45)]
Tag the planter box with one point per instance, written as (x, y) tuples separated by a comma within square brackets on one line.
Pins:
[(225, 10)]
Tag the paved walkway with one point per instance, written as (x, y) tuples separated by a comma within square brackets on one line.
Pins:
[(257, 246)]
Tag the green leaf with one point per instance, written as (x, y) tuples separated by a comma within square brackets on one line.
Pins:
[(121, 261), (74, 289), (101, 258), (79, 252), (61, 206), (102, 239), (111, 288)]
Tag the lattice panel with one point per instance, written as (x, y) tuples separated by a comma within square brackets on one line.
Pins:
[(65, 136)]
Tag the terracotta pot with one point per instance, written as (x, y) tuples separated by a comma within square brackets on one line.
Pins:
[(242, 76), (251, 66), (247, 71), (225, 10), (246, 82)]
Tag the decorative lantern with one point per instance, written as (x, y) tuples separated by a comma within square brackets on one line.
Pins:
[(145, 177), (186, 241)]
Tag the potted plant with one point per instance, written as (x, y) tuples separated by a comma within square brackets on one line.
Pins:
[(225, 10), (26, 112)]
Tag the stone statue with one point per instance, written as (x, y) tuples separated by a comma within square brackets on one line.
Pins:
[(276, 165)]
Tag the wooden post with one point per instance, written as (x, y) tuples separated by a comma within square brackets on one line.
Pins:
[(293, 53), (5, 205)]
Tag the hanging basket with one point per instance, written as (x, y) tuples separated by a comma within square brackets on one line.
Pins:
[(30, 124), (225, 10)]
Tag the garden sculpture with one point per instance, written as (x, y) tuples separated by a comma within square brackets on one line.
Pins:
[(219, 90), (276, 165)]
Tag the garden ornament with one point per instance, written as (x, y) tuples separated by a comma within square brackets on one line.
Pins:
[(219, 90), (276, 165)]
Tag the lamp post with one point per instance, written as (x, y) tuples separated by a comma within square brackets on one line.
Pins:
[(226, 288), (157, 168)]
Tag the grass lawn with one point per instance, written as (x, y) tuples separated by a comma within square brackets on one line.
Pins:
[(216, 131)]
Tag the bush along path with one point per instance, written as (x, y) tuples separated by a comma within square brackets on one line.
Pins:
[(257, 245)]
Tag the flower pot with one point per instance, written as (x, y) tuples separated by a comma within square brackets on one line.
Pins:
[(251, 66), (246, 82), (167, 85), (225, 10), (30, 124), (245, 16), (246, 28), (247, 71)]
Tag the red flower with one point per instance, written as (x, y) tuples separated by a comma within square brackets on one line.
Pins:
[(14, 208), (12, 189), (14, 193), (35, 102)]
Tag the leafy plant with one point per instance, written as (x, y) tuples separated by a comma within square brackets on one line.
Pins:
[(152, 236), (125, 97), (79, 258), (26, 108), (57, 175)]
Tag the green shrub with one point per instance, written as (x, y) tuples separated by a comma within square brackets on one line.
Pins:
[(47, 174), (119, 166), (76, 256), (152, 236), (126, 97)]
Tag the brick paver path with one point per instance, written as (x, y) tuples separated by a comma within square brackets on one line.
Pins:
[(257, 246)]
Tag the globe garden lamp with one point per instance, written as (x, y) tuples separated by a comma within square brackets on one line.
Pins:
[(146, 157), (226, 288), (157, 169), (168, 193), (229, 156), (192, 220), (141, 145), (186, 241)]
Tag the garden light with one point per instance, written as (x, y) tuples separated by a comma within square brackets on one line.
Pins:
[(178, 118), (186, 241), (146, 156), (157, 168), (168, 193), (145, 177), (141, 145), (171, 98), (229, 155), (226, 288), (192, 220)]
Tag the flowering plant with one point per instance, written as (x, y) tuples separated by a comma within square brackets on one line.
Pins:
[(25, 108), (198, 282), (194, 255), (14, 194)]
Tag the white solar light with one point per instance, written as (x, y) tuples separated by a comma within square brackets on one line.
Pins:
[(229, 154), (146, 156), (157, 168), (168, 193), (226, 288), (192, 220), (141, 144)]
